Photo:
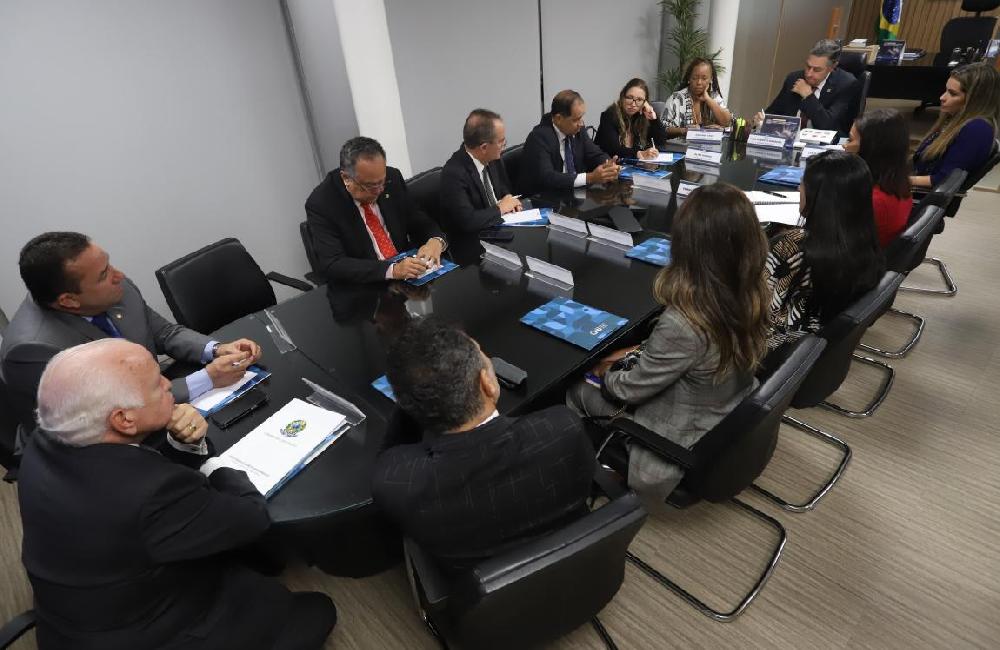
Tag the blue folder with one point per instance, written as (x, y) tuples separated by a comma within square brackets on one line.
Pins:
[(259, 375), (784, 175), (574, 322), (445, 267), (655, 250), (382, 385), (628, 171)]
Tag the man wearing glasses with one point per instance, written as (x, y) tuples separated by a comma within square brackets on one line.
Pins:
[(361, 216), (475, 189)]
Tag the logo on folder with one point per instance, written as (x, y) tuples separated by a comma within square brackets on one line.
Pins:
[(293, 428)]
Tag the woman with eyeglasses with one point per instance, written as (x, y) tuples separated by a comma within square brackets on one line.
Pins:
[(698, 101), (629, 128)]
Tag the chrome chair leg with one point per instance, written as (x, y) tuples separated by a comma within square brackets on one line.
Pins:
[(912, 341), (748, 598), (828, 439), (945, 275), (872, 406), (602, 632)]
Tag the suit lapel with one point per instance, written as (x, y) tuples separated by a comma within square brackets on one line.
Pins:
[(477, 181), (79, 325)]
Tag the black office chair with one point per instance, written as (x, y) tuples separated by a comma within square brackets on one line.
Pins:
[(658, 108), (842, 335), (727, 459), (314, 275), (9, 422), (218, 284), (16, 627), (967, 31), (904, 254), (536, 592), (854, 62), (511, 158), (425, 190)]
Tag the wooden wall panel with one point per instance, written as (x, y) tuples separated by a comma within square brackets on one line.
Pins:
[(920, 25)]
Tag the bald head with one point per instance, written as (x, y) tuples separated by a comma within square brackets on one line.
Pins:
[(100, 391)]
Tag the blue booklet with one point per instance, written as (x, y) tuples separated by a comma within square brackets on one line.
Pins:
[(654, 251), (574, 322), (382, 385), (628, 171), (784, 175), (259, 375), (446, 266)]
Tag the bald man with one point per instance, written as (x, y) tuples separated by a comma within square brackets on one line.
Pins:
[(123, 545)]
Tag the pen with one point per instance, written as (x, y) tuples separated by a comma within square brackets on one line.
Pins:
[(777, 194)]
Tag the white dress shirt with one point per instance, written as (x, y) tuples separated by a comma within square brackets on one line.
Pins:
[(371, 235), (479, 170)]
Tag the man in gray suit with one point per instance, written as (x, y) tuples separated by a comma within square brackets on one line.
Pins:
[(75, 296)]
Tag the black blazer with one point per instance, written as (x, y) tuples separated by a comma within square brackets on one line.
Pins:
[(122, 546), (344, 251), (463, 195), (608, 136), (542, 162), (469, 496), (831, 112)]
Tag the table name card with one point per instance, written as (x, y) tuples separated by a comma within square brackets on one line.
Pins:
[(611, 235), (501, 255), (713, 157), (551, 271), (768, 141), (567, 224), (704, 135)]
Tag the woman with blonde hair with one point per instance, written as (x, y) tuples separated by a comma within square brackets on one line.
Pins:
[(963, 135), (629, 128), (697, 363)]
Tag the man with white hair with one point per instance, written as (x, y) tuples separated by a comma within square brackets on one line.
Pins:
[(123, 546)]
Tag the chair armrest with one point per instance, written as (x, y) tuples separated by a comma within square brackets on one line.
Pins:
[(16, 627), (609, 483), (294, 283), (656, 443), (434, 585)]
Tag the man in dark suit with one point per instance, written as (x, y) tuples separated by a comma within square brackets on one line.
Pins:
[(559, 155), (361, 216), (475, 190), (824, 95), (126, 548), (75, 296), (475, 483)]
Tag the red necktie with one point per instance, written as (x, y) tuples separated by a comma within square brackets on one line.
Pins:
[(385, 246)]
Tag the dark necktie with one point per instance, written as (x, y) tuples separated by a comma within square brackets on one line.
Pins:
[(490, 196), (103, 323), (570, 162)]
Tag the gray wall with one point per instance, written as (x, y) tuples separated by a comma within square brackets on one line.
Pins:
[(155, 127), (753, 54)]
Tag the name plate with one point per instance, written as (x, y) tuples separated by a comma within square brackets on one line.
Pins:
[(809, 151), (567, 224), (684, 188), (769, 141), (501, 255), (817, 136), (713, 157), (611, 235), (705, 135), (543, 268)]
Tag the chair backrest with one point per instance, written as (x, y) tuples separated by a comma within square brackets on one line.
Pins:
[(549, 586), (853, 62), (965, 32), (842, 334), (511, 158), (305, 232), (8, 425), (658, 108), (214, 286), (977, 175), (424, 189), (735, 452), (908, 250), (866, 82)]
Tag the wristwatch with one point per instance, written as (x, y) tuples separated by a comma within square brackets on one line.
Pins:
[(215, 350)]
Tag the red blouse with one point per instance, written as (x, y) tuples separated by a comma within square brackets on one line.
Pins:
[(891, 215)]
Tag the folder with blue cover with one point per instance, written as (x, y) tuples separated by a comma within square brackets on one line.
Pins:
[(784, 175), (629, 171), (446, 266), (654, 250), (383, 386), (574, 322)]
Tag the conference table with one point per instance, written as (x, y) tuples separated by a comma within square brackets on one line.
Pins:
[(325, 514)]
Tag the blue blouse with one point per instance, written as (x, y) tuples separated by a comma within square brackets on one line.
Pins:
[(969, 151)]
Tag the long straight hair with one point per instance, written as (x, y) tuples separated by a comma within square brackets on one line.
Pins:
[(636, 124), (981, 84), (885, 144), (716, 275), (841, 244)]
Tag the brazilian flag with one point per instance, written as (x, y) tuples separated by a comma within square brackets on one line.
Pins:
[(888, 20)]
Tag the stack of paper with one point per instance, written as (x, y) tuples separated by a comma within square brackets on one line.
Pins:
[(786, 213), (283, 444), (535, 217)]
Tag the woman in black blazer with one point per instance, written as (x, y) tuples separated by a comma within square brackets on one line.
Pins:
[(629, 128)]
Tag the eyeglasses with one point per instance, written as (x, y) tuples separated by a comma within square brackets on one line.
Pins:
[(369, 187), (636, 101)]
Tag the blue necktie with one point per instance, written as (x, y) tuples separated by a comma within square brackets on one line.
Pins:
[(103, 323), (570, 162)]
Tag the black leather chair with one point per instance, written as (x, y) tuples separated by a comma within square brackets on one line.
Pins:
[(425, 190), (511, 158), (536, 592), (9, 422), (727, 459), (218, 284), (854, 62), (942, 196), (15, 628), (967, 31), (314, 275), (904, 254)]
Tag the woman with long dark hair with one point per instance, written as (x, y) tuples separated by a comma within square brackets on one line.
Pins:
[(629, 128), (698, 362), (882, 140), (816, 271), (964, 133), (697, 102)]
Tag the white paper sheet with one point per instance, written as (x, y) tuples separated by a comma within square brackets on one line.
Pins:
[(786, 213), (767, 198), (522, 216), (207, 401)]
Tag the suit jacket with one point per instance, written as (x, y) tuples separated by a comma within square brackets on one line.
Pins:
[(344, 251), (470, 496), (122, 546), (608, 136), (833, 111), (542, 162), (37, 333), (463, 196)]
